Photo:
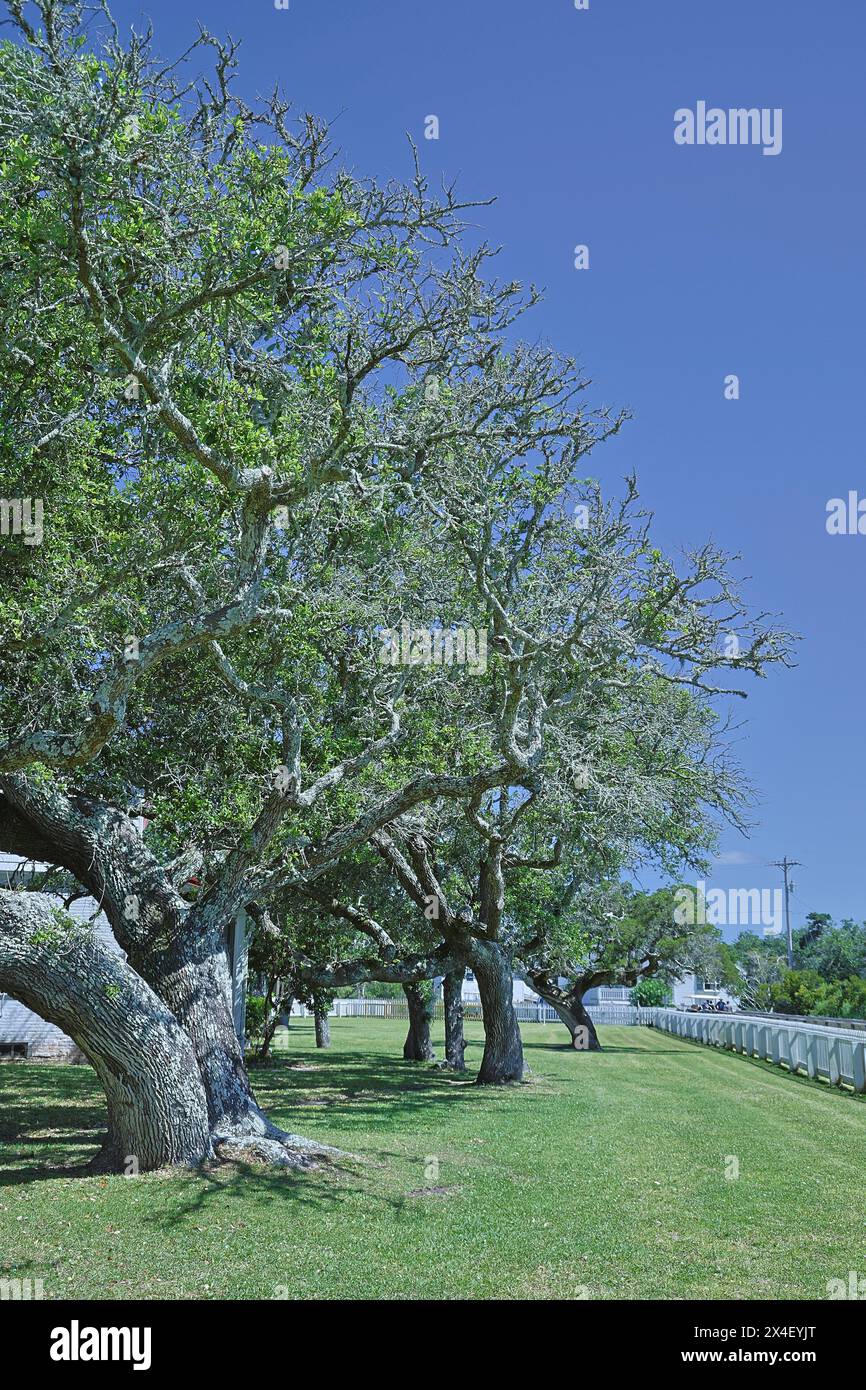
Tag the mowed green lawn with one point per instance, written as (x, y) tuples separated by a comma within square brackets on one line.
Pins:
[(603, 1177)]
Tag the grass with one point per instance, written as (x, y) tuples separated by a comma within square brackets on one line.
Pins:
[(603, 1177)]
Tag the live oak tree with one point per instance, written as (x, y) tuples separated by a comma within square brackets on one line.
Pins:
[(609, 936), (339, 932), (271, 965), (232, 374), (352, 927), (611, 647)]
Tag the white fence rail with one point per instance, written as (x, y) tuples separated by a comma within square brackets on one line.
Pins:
[(845, 1025), (831, 1054)]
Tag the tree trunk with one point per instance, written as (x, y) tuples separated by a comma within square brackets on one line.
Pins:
[(455, 1043), (281, 1004), (271, 1017), (157, 1112), (503, 1047), (181, 951), (569, 1006), (194, 978), (418, 1046), (574, 1015), (323, 1027)]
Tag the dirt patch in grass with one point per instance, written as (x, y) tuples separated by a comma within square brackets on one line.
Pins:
[(435, 1191)]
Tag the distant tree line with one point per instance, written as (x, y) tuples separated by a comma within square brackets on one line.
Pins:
[(828, 978)]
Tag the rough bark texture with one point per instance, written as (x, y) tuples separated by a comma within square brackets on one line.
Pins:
[(157, 1113), (503, 1047), (455, 1042), (574, 1015), (323, 1027), (418, 1046), (183, 959), (192, 975)]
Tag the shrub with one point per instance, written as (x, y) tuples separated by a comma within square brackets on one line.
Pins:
[(797, 992), (255, 1017), (651, 993)]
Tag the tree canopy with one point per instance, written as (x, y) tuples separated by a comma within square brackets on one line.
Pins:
[(323, 590)]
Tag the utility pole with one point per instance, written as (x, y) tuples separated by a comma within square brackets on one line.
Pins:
[(786, 864)]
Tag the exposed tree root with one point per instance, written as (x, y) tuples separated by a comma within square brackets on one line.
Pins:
[(295, 1152), (255, 1139)]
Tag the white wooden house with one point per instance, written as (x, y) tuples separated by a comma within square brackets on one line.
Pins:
[(520, 993), (694, 989)]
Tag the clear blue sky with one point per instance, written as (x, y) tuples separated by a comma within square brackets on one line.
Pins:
[(703, 262)]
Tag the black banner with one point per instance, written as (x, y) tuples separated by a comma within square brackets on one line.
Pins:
[(146, 1338)]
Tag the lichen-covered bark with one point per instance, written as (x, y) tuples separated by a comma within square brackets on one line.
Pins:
[(503, 1047), (418, 1046), (322, 1026), (178, 948), (192, 974), (568, 1002), (157, 1112), (455, 1042)]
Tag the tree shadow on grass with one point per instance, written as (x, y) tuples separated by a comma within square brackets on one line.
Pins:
[(253, 1184), (58, 1111), (353, 1086), (58, 1165), (336, 1096), (25, 1269), (606, 1048), (353, 1092), (361, 1102)]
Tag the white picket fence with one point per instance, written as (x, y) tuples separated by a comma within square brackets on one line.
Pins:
[(611, 1015), (608, 1014), (836, 1055)]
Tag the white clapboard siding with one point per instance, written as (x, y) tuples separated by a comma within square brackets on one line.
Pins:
[(23, 1033)]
